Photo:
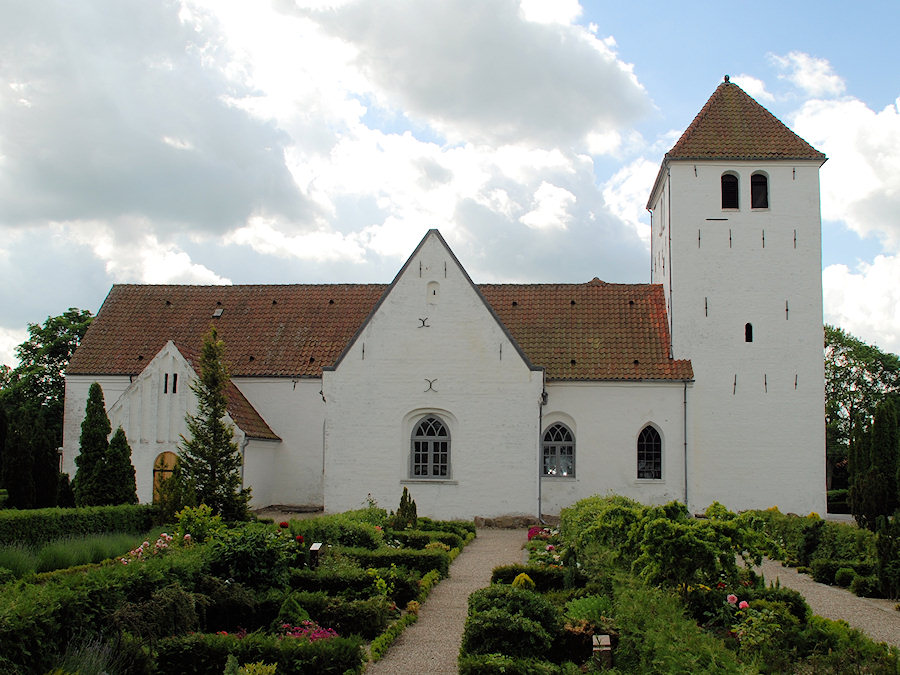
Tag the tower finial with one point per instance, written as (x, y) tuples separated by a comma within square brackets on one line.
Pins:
[(727, 79)]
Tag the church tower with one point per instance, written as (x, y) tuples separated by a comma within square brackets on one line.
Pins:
[(736, 245)]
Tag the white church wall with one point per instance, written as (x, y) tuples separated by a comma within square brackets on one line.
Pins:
[(606, 418), (289, 472), (757, 421), (432, 347), (77, 387)]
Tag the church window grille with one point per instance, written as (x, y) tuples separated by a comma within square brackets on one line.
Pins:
[(649, 454), (430, 449), (729, 191), (759, 191), (559, 451)]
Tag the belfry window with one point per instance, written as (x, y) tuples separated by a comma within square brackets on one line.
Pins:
[(729, 191), (759, 191), (748, 332), (430, 449)]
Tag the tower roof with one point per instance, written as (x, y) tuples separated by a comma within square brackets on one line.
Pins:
[(732, 125)]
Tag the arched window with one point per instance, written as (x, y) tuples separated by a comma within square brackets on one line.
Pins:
[(759, 191), (559, 451), (430, 449), (748, 332), (729, 191), (162, 470), (649, 454)]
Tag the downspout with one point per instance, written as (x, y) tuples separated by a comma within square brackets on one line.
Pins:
[(244, 444), (684, 408), (669, 228), (540, 454)]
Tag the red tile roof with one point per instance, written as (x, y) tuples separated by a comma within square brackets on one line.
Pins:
[(245, 416), (732, 125), (611, 332)]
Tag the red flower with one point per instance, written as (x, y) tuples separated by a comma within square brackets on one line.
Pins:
[(299, 538), (283, 524)]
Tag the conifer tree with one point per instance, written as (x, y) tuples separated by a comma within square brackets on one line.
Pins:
[(95, 430), (116, 474), (18, 464), (209, 459), (874, 462)]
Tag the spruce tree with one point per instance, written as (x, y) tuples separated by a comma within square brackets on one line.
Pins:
[(117, 474), (873, 467), (209, 459), (95, 430), (18, 465)]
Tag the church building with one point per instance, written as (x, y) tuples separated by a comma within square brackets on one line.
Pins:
[(515, 399)]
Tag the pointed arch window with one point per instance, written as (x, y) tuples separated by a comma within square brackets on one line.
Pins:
[(430, 449), (729, 191), (759, 191), (649, 454), (559, 451)]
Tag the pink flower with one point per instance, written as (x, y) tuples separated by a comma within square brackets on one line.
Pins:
[(187, 537), (551, 547), (744, 604), (732, 599)]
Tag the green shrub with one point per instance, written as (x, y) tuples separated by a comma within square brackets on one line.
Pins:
[(782, 594), (422, 561), (596, 610), (199, 523), (204, 654), (825, 570), (523, 581), (169, 611), (866, 586), (254, 555), (844, 576), (338, 529), (382, 643), (837, 501), (499, 631), (834, 647), (495, 664), (462, 528), (406, 517), (419, 539), (39, 526), (519, 601), (544, 578), (366, 618)]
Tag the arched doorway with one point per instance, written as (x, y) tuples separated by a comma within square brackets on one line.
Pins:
[(162, 469)]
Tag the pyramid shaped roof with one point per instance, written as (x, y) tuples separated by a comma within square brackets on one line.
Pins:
[(732, 125)]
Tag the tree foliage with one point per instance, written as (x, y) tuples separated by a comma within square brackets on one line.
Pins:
[(209, 458), (116, 472), (857, 378), (874, 463)]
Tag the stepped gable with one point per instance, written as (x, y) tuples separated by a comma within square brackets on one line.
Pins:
[(733, 126), (592, 331)]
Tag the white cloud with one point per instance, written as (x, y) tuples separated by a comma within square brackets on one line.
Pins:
[(626, 195), (813, 75), (550, 11), (264, 236), (866, 302), (753, 86), (861, 180), (10, 338), (481, 72), (551, 208)]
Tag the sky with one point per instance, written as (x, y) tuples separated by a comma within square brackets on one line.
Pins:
[(316, 141)]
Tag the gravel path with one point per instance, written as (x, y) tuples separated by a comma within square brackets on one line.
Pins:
[(431, 645), (876, 618)]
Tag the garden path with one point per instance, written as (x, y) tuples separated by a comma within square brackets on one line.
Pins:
[(431, 645), (875, 617)]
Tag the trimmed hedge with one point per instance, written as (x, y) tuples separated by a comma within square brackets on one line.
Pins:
[(39, 526), (357, 584), (423, 561), (419, 539), (462, 528), (367, 618), (338, 530), (824, 570), (495, 664), (544, 578), (516, 601), (499, 631), (206, 654)]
